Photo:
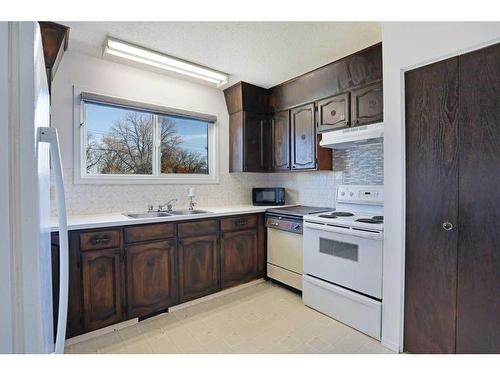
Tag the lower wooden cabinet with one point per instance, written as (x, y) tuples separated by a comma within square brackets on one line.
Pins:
[(150, 277), (102, 288), (199, 267), (239, 257), (145, 269)]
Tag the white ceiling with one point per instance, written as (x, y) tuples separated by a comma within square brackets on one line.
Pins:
[(262, 53)]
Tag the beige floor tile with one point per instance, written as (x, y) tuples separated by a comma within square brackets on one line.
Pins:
[(264, 318)]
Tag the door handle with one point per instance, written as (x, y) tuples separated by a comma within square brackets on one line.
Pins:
[(447, 225)]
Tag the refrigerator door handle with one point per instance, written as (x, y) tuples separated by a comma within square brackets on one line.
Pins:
[(49, 135)]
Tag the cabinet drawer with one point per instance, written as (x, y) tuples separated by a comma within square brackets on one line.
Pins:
[(238, 223), (197, 228), (149, 232), (99, 240)]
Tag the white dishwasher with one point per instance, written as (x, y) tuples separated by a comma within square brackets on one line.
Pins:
[(284, 243)]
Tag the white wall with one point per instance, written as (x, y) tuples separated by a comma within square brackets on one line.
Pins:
[(6, 342), (107, 77), (406, 46)]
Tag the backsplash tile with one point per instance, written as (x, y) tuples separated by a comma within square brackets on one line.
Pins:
[(358, 165)]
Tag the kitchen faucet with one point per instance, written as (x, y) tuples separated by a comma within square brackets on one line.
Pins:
[(169, 205)]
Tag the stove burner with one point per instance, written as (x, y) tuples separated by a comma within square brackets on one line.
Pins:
[(328, 216), (370, 221), (378, 218), (342, 213)]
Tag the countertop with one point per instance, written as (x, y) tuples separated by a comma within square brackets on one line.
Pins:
[(119, 219)]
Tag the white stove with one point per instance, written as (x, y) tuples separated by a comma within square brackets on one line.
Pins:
[(343, 258)]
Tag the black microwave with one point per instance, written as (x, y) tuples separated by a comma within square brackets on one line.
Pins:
[(268, 196)]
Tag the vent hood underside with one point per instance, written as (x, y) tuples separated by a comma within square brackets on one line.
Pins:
[(345, 138)]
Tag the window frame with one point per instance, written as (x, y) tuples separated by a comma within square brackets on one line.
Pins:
[(81, 176)]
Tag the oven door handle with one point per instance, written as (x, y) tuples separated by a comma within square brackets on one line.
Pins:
[(374, 235)]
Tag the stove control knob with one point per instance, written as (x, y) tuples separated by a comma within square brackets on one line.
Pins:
[(351, 193)]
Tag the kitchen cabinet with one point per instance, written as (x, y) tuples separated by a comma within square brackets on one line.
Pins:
[(367, 105), (151, 277), (132, 271), (452, 260), (239, 251), (334, 113), (55, 38), (303, 137), (281, 141), (248, 137), (102, 288), (199, 267)]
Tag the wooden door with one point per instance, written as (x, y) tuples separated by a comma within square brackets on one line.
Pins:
[(367, 105), (333, 113), (431, 199), (150, 277), (199, 267), (254, 153), (478, 314), (303, 137), (281, 141), (239, 257), (102, 288)]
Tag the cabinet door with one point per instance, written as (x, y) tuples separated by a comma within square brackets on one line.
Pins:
[(239, 257), (151, 277), (281, 141), (102, 288), (367, 105), (303, 137), (254, 153), (333, 113), (199, 267)]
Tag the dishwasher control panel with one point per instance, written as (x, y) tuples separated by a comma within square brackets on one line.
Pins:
[(284, 223)]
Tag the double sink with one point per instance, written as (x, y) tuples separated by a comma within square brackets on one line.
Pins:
[(153, 214)]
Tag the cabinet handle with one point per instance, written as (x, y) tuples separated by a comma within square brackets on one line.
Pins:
[(240, 223), (104, 239)]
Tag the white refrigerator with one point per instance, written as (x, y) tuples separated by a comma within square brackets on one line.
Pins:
[(32, 155)]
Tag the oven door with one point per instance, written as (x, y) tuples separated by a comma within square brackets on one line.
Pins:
[(351, 260)]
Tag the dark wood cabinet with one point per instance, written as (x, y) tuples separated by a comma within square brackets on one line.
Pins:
[(281, 141), (333, 113), (199, 267), (367, 105), (150, 277), (303, 137), (238, 257), (102, 288), (248, 148), (55, 38)]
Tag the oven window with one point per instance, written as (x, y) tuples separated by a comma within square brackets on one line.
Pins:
[(339, 249)]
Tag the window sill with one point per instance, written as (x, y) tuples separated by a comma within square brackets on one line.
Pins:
[(142, 180)]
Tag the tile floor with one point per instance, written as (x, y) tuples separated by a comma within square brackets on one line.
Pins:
[(263, 318)]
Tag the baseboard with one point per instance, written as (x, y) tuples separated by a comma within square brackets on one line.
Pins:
[(131, 322)]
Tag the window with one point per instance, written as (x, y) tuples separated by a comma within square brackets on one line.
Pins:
[(125, 142)]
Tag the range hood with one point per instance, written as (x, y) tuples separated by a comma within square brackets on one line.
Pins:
[(345, 138)]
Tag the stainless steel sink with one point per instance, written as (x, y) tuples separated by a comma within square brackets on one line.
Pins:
[(146, 215), (188, 212)]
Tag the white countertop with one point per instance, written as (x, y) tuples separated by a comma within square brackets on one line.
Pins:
[(118, 219)]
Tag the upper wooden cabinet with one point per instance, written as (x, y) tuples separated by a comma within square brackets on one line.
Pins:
[(151, 277), (281, 140), (367, 105), (246, 97), (333, 112), (55, 38), (303, 137), (248, 142)]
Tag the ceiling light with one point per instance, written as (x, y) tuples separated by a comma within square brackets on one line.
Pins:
[(142, 55)]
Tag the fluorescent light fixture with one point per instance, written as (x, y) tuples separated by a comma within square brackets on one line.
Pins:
[(118, 48)]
